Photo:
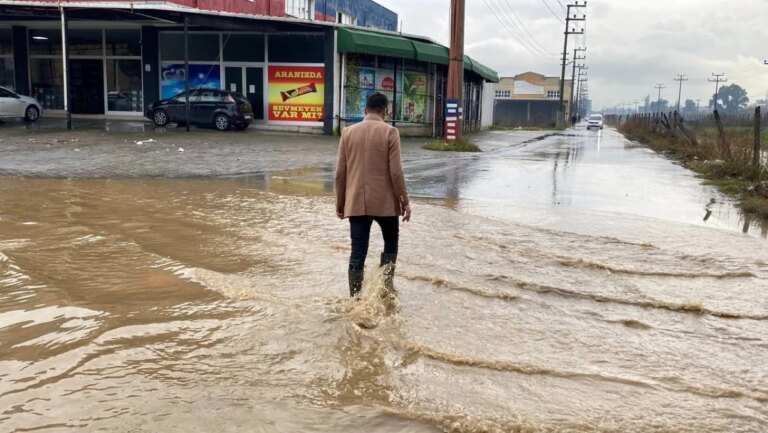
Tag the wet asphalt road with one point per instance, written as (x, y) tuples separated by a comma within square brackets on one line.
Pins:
[(558, 178)]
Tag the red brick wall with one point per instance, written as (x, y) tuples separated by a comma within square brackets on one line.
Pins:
[(275, 8)]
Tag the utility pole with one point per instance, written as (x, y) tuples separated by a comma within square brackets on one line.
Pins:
[(658, 103), (576, 58), (637, 106), (455, 91), (568, 31), (680, 78), (580, 93), (583, 91), (718, 79), (574, 85)]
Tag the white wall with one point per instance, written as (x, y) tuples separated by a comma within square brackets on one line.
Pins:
[(489, 92)]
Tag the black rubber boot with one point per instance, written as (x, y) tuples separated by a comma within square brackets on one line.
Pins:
[(355, 282), (388, 263)]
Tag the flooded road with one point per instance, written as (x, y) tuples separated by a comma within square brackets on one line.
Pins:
[(547, 286)]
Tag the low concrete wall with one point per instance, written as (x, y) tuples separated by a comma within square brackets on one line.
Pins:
[(406, 129)]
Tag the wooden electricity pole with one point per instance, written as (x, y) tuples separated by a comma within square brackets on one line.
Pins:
[(455, 91)]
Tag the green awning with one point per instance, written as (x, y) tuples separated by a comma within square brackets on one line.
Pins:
[(370, 42), (432, 53), (485, 72), (358, 41)]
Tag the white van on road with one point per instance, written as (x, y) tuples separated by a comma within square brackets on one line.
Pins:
[(595, 121)]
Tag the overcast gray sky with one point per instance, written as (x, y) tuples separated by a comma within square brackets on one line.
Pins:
[(632, 45)]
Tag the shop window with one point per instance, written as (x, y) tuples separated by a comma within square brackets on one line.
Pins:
[(202, 47), (410, 94), (6, 73), (124, 92), (85, 43), (414, 66), (6, 42), (389, 62), (343, 18), (296, 48), (200, 76), (44, 42), (303, 9), (124, 42), (243, 47), (47, 79)]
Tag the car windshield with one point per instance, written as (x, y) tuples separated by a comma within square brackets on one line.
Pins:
[(596, 117)]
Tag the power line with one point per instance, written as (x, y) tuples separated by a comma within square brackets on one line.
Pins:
[(508, 25), (522, 26), (546, 3)]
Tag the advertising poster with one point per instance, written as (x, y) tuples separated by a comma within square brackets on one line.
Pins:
[(362, 83), (296, 93), (386, 85), (414, 104), (172, 78)]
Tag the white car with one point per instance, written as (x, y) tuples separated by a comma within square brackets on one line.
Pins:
[(14, 105), (595, 121)]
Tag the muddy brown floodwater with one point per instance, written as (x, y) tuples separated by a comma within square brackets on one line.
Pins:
[(219, 305)]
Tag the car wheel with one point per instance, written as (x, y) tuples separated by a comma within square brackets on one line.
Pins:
[(221, 122), (160, 117), (31, 114)]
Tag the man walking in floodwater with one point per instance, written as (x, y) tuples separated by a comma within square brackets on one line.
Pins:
[(370, 186)]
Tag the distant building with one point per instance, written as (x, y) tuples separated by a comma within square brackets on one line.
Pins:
[(529, 99)]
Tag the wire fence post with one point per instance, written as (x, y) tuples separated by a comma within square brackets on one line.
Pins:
[(756, 150)]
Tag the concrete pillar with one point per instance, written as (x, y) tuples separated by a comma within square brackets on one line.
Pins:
[(150, 47), (329, 57)]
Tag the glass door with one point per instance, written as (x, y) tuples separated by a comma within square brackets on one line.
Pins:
[(233, 76), (254, 79)]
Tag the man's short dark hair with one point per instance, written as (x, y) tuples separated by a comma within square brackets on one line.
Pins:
[(377, 102)]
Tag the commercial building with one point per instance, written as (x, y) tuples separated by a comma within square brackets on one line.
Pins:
[(529, 99), (122, 56)]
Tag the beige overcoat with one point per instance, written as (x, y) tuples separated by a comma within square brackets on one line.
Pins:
[(369, 172)]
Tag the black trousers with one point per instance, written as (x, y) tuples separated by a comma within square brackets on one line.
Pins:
[(360, 233)]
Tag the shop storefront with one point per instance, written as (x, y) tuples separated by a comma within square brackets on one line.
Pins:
[(6, 59), (282, 75), (411, 72), (298, 76), (105, 70)]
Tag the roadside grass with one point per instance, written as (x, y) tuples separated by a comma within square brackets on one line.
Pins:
[(755, 204), (734, 175), (461, 145)]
